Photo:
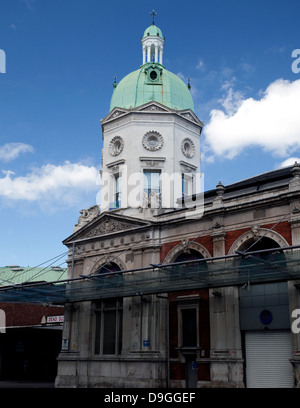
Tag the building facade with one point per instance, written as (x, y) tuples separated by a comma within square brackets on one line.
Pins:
[(194, 289)]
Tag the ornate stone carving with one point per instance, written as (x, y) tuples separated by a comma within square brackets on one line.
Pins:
[(116, 114), (86, 216), (152, 141), (188, 147), (114, 169), (107, 227), (152, 163), (295, 182), (186, 169), (255, 230), (152, 108), (152, 201), (116, 145), (188, 116)]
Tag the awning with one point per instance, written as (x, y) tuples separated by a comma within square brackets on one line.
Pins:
[(275, 265)]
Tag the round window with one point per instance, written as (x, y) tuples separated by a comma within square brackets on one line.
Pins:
[(116, 145), (153, 75), (152, 141), (188, 148)]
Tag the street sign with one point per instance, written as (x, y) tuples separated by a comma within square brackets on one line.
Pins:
[(55, 319)]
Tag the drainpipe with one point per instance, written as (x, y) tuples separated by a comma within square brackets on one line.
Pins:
[(167, 340), (72, 272), (168, 344)]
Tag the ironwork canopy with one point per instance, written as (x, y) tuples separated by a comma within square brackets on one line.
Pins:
[(265, 266)]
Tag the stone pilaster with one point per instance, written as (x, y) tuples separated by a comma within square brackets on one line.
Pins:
[(226, 350)]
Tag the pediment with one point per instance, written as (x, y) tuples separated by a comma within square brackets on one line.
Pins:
[(115, 113), (107, 224), (189, 115), (153, 107)]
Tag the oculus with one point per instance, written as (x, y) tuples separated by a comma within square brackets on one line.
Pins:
[(153, 141), (188, 147), (153, 75), (116, 145)]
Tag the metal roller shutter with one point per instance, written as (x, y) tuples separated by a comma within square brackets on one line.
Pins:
[(267, 359)]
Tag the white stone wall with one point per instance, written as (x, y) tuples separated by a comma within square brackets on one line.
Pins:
[(134, 158)]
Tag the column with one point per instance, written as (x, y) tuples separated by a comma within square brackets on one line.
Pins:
[(144, 55), (226, 350), (149, 54), (161, 56), (156, 53)]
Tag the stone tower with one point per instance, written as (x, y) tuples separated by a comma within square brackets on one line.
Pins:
[(151, 138)]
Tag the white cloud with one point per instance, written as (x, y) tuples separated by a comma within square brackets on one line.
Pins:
[(200, 66), (289, 162), (29, 4), (271, 122), (50, 184), (232, 101), (247, 68), (182, 77), (11, 151)]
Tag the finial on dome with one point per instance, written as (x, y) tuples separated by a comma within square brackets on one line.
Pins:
[(153, 14), (115, 81), (189, 83)]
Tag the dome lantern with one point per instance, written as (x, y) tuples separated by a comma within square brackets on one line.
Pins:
[(153, 44), (152, 82)]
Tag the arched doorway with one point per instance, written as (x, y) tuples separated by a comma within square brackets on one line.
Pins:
[(188, 314), (264, 319)]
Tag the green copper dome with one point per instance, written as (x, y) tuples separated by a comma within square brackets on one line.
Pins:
[(152, 82), (153, 31)]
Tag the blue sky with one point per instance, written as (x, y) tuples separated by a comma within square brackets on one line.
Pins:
[(61, 58)]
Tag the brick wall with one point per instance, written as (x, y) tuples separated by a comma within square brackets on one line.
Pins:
[(282, 229), (19, 314)]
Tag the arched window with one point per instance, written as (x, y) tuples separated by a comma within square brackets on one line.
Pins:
[(263, 259), (108, 267), (264, 293), (109, 315), (188, 255), (182, 269)]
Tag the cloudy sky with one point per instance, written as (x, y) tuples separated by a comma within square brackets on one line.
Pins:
[(243, 59)]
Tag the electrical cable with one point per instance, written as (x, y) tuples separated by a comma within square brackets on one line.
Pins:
[(115, 257), (262, 236), (187, 244), (54, 259)]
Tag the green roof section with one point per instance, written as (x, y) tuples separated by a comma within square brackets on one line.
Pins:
[(15, 274), (153, 30), (136, 89)]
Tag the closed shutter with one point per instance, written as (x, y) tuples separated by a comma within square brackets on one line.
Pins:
[(267, 359)]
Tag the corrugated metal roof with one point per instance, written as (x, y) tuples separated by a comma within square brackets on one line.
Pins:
[(15, 274)]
